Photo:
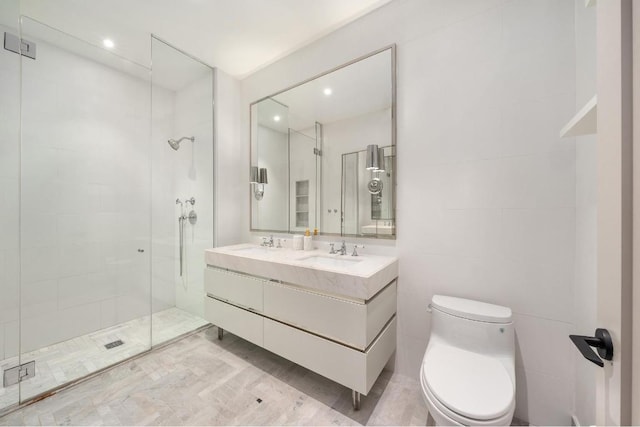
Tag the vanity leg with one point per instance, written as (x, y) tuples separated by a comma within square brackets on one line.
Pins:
[(220, 333), (355, 400)]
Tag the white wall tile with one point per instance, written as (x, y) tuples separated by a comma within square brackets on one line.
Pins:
[(85, 188), (39, 264), (542, 399), (11, 338), (39, 298), (555, 357)]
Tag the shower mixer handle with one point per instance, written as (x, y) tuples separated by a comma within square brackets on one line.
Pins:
[(191, 201)]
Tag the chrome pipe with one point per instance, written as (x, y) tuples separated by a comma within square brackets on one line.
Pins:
[(181, 221)]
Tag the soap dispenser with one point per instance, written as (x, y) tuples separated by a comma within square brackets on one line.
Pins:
[(308, 242)]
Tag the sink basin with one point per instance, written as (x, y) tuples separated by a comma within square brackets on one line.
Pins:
[(325, 261), (251, 250)]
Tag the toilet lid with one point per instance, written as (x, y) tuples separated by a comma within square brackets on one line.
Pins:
[(470, 384)]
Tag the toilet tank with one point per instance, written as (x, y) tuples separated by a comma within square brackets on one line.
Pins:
[(473, 325)]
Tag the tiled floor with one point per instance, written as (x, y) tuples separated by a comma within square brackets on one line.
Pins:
[(66, 361), (202, 381)]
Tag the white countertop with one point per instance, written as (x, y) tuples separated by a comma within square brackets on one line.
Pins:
[(358, 277)]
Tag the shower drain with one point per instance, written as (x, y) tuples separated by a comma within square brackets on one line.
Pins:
[(113, 344)]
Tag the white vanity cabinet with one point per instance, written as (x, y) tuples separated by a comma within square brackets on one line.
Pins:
[(346, 339)]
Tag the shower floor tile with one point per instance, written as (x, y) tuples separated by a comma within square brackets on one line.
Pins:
[(200, 380), (68, 360)]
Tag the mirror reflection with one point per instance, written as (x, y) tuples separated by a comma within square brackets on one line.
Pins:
[(323, 153)]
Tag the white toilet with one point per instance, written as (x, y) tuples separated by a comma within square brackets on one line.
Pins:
[(468, 373)]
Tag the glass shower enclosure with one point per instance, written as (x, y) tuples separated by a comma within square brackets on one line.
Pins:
[(89, 251)]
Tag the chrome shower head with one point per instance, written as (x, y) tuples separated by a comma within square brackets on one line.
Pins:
[(176, 144)]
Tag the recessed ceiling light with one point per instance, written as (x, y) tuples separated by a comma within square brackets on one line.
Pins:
[(276, 118), (108, 43), (328, 91)]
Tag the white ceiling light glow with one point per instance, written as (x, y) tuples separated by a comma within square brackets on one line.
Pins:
[(108, 43), (328, 91), (276, 118)]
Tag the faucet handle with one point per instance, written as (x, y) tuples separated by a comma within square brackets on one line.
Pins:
[(333, 249), (279, 244), (264, 241), (355, 247)]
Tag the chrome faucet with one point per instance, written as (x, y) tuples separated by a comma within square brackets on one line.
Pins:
[(268, 242), (342, 250)]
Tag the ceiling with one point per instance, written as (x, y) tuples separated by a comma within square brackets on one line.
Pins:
[(238, 36)]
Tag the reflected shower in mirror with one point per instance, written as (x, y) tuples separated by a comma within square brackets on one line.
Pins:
[(302, 135), (368, 196)]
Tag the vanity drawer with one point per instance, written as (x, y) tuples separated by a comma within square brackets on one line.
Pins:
[(236, 288), (357, 370), (236, 320), (352, 323)]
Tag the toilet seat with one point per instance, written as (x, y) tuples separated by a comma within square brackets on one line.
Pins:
[(466, 386)]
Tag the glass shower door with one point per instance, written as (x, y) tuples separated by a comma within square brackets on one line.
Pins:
[(84, 211), (9, 200), (182, 189)]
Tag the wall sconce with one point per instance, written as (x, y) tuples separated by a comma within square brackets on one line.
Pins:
[(372, 157), (262, 176), (257, 179), (381, 165)]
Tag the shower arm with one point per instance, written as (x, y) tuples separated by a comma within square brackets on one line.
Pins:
[(190, 138)]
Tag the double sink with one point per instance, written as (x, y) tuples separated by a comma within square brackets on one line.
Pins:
[(358, 277), (336, 261)]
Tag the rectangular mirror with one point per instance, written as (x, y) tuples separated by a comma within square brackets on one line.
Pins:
[(323, 153)]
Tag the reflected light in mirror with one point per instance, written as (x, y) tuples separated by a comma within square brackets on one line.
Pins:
[(276, 118), (108, 43)]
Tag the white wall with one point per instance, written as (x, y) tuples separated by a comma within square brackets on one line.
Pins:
[(273, 154), (231, 163), (586, 217), (486, 189)]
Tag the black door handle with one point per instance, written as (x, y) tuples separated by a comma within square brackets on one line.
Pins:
[(602, 341)]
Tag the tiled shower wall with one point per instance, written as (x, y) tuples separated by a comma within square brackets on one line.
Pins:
[(88, 194), (86, 176)]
